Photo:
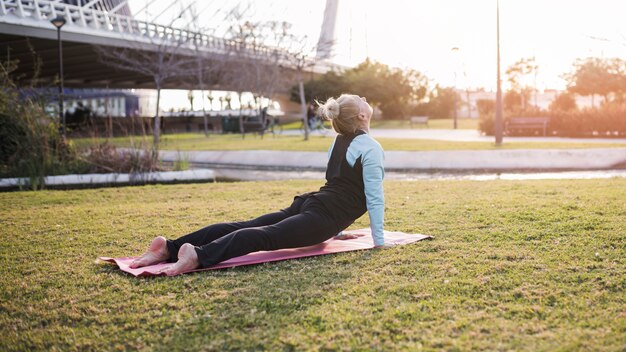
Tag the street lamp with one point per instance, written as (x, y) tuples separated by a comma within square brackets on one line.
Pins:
[(498, 120), (58, 22), (455, 50)]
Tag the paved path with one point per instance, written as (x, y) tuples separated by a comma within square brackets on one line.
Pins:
[(266, 175), (466, 136), (512, 159)]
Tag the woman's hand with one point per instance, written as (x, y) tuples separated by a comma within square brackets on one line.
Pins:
[(349, 236)]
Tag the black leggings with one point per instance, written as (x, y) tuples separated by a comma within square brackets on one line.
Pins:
[(306, 222)]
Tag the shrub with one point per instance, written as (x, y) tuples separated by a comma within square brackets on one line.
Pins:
[(104, 157), (607, 121), (486, 116), (30, 143), (563, 102)]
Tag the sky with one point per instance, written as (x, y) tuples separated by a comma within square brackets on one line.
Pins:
[(420, 34)]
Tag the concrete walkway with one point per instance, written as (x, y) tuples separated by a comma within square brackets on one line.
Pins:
[(465, 136), (515, 159)]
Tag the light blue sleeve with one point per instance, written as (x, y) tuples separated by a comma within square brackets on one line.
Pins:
[(373, 175), (372, 160), (330, 150)]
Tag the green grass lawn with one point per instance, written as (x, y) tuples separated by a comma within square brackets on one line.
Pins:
[(197, 141), (463, 124), (515, 265)]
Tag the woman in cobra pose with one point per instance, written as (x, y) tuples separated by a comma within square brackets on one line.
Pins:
[(354, 185)]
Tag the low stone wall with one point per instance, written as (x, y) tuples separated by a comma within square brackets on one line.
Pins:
[(97, 180)]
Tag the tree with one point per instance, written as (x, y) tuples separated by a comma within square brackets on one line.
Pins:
[(485, 107), (161, 60), (593, 76), (513, 101), (563, 102), (258, 57), (518, 78), (394, 91), (441, 102), (300, 56), (204, 71), (330, 84), (617, 82)]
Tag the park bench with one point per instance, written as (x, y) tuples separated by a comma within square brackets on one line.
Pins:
[(418, 120), (517, 125), (258, 123), (254, 124)]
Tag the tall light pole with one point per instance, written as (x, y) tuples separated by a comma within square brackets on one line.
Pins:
[(455, 50), (498, 122), (58, 22)]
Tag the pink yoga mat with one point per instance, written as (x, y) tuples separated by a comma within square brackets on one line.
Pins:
[(327, 247)]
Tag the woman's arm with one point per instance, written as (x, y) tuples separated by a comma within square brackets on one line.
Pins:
[(373, 175)]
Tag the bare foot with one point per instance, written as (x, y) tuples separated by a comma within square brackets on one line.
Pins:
[(187, 260), (156, 253)]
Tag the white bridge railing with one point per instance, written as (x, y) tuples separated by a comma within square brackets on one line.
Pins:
[(46, 10), (130, 28)]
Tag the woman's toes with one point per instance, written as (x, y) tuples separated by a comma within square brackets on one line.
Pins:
[(136, 263)]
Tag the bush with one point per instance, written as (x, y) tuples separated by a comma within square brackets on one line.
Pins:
[(563, 102), (486, 124), (486, 116), (30, 144), (105, 157), (607, 121)]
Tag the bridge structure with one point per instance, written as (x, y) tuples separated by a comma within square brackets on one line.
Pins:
[(27, 35)]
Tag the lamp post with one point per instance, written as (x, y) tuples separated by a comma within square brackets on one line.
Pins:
[(58, 22), (498, 121), (455, 50)]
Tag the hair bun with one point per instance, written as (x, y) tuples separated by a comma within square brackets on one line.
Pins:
[(329, 110)]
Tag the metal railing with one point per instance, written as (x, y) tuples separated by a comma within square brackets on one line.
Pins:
[(86, 17), (45, 10)]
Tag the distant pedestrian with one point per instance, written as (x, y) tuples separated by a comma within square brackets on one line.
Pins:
[(311, 115)]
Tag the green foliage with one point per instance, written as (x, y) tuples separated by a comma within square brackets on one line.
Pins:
[(181, 163), (514, 265), (518, 72), (602, 76), (486, 124), (486, 107), (607, 121), (393, 91), (330, 84), (30, 143), (441, 102), (519, 75), (512, 101), (105, 157), (565, 101)]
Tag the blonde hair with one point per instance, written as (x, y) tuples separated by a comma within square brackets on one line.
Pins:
[(342, 112)]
